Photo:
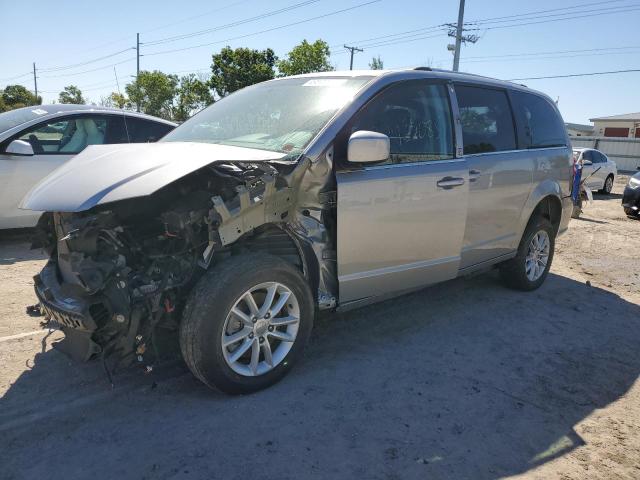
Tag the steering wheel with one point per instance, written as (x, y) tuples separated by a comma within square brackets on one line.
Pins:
[(35, 144)]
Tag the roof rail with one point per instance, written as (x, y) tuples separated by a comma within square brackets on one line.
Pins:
[(426, 69)]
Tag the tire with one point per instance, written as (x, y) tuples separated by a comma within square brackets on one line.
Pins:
[(608, 185), (207, 320), (514, 272)]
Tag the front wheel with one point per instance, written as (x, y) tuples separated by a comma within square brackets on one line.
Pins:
[(246, 323), (529, 268)]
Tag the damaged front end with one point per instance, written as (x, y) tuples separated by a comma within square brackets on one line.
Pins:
[(120, 273)]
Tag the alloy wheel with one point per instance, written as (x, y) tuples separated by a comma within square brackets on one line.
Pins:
[(537, 255), (260, 329)]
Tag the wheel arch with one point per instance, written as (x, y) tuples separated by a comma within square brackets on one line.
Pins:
[(546, 200)]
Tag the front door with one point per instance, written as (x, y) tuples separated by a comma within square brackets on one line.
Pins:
[(400, 224), (53, 142)]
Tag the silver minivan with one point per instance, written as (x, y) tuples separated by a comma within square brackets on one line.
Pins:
[(313, 192)]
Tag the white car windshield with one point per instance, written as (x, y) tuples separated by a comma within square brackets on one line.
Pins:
[(280, 116)]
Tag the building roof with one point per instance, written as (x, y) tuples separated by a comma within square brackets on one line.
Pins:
[(579, 127), (626, 117)]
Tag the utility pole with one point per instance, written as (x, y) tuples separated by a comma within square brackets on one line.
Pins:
[(456, 55), (352, 50), (137, 63), (35, 81)]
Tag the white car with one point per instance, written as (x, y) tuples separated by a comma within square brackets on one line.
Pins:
[(34, 141), (596, 161)]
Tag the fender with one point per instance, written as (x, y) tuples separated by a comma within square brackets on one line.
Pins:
[(546, 188)]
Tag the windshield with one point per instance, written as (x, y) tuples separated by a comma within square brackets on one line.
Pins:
[(17, 117), (280, 116)]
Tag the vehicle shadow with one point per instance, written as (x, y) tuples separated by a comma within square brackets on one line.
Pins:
[(466, 379), (15, 250), (607, 196)]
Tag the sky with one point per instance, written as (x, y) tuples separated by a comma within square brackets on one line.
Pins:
[(80, 43)]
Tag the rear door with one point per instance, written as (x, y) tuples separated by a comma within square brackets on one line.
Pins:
[(400, 223), (500, 176)]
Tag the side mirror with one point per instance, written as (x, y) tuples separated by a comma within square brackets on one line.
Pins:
[(368, 147), (587, 162), (19, 147)]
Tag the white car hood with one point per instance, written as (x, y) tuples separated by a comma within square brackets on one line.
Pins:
[(108, 173)]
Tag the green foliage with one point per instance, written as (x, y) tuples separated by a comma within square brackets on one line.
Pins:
[(154, 92), (193, 94), (235, 69), (306, 58), (17, 96), (116, 100), (71, 94), (3, 106), (376, 63)]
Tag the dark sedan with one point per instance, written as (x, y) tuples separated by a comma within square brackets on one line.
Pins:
[(631, 196)]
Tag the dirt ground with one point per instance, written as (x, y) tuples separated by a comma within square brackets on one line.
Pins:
[(464, 380)]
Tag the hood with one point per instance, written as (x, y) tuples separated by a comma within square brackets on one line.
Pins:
[(108, 173)]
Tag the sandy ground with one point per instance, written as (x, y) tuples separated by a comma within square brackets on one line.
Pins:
[(465, 380)]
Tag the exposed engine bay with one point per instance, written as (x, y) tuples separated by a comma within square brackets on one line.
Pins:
[(121, 272)]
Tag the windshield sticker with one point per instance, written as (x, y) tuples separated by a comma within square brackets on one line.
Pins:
[(39, 111), (324, 82)]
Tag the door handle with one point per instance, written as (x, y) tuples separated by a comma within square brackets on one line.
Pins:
[(450, 182), (474, 175)]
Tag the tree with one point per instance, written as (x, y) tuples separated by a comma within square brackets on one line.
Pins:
[(71, 94), (154, 93), (376, 63), (193, 94), (17, 96), (3, 106), (235, 69), (115, 100), (306, 58)]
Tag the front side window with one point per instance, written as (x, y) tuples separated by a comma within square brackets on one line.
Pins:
[(279, 116), (66, 136), (487, 123), (416, 116), (588, 155), (539, 122)]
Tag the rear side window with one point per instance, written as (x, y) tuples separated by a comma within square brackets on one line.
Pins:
[(487, 123), (539, 123), (145, 131)]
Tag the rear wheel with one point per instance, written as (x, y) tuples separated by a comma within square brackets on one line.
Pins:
[(608, 185), (246, 323), (529, 268)]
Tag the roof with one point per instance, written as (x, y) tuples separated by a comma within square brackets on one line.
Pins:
[(426, 71), (580, 127), (70, 107), (625, 117)]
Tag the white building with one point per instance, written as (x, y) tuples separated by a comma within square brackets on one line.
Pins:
[(579, 130), (623, 126)]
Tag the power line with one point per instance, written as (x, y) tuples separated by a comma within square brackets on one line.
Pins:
[(87, 71), (8, 79), (572, 17), (393, 42), (272, 13), (589, 74), (582, 5), (86, 62), (291, 24)]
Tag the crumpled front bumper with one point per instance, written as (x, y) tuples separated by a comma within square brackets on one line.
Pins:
[(71, 313)]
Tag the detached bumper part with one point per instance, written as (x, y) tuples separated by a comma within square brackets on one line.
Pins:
[(71, 314)]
